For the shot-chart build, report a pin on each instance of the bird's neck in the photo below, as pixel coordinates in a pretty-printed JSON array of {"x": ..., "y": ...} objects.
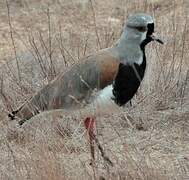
[{"x": 128, "y": 50}]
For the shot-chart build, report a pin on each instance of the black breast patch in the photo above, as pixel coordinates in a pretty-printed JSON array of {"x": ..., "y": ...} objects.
[{"x": 127, "y": 82}]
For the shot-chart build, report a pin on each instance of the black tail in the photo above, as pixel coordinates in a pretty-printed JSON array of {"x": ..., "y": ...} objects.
[{"x": 12, "y": 114}]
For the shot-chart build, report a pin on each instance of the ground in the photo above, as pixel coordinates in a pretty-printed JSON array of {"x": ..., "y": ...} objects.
[{"x": 148, "y": 140}]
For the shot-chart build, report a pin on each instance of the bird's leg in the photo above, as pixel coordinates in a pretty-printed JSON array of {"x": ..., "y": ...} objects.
[
  {"x": 106, "y": 158},
  {"x": 89, "y": 125}
]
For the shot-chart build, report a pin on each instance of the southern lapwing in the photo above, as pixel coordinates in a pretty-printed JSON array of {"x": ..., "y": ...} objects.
[{"x": 115, "y": 73}]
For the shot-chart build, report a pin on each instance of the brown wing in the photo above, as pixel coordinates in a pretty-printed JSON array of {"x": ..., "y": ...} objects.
[
  {"x": 71, "y": 89},
  {"x": 108, "y": 69}
]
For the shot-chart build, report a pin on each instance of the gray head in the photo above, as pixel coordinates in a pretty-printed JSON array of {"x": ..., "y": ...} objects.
[
  {"x": 139, "y": 20},
  {"x": 140, "y": 28},
  {"x": 137, "y": 33}
]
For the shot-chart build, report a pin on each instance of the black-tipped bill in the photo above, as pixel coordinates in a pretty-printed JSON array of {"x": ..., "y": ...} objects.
[{"x": 155, "y": 38}]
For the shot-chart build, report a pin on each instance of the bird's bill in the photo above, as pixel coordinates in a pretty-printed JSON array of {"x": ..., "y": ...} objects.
[{"x": 156, "y": 38}]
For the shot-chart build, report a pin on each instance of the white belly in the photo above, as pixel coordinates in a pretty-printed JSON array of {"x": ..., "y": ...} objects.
[{"x": 103, "y": 103}]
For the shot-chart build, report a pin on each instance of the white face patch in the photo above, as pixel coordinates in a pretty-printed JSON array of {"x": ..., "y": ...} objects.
[
  {"x": 143, "y": 36},
  {"x": 139, "y": 61},
  {"x": 150, "y": 22}
]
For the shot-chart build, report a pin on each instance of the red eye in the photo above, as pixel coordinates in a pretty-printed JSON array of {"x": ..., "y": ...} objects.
[{"x": 141, "y": 28}]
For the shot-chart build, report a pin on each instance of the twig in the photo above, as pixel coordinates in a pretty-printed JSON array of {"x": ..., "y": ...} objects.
[
  {"x": 53, "y": 72},
  {"x": 94, "y": 20},
  {"x": 12, "y": 39}
]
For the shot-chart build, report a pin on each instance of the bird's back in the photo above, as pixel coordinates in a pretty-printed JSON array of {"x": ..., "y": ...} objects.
[{"x": 75, "y": 88}]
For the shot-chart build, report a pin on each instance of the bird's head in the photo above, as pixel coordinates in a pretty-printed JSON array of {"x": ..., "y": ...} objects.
[{"x": 140, "y": 29}]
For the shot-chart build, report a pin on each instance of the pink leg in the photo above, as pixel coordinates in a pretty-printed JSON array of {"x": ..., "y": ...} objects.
[{"x": 89, "y": 125}]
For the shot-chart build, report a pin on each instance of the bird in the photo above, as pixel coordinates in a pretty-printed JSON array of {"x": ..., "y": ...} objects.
[
  {"x": 114, "y": 74},
  {"x": 100, "y": 82}
]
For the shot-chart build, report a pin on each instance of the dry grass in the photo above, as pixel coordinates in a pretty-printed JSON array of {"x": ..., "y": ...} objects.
[{"x": 146, "y": 141}]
